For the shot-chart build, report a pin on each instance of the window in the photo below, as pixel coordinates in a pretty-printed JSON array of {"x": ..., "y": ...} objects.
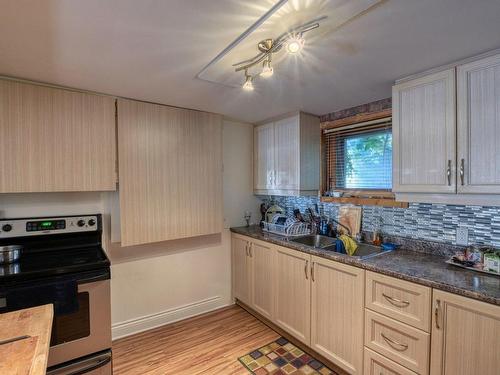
[{"x": 359, "y": 157}]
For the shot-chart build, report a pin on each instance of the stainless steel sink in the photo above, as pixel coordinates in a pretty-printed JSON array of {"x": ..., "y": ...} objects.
[
  {"x": 315, "y": 240},
  {"x": 363, "y": 251}
]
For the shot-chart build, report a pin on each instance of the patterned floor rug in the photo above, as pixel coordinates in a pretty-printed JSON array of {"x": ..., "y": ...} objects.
[{"x": 281, "y": 357}]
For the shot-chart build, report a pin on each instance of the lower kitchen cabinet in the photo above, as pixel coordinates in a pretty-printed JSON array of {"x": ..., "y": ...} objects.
[
  {"x": 337, "y": 302},
  {"x": 376, "y": 364},
  {"x": 241, "y": 272},
  {"x": 262, "y": 273},
  {"x": 293, "y": 293},
  {"x": 465, "y": 336}
]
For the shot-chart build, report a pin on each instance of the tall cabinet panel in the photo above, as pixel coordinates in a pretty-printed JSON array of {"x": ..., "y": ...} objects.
[
  {"x": 170, "y": 172},
  {"x": 55, "y": 140},
  {"x": 241, "y": 269},
  {"x": 337, "y": 313},
  {"x": 264, "y": 157},
  {"x": 478, "y": 86},
  {"x": 286, "y": 153},
  {"x": 424, "y": 134},
  {"x": 293, "y": 293},
  {"x": 262, "y": 258}
]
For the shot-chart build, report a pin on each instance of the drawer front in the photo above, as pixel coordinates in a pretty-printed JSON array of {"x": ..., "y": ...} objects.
[
  {"x": 399, "y": 342},
  {"x": 398, "y": 299},
  {"x": 376, "y": 364}
]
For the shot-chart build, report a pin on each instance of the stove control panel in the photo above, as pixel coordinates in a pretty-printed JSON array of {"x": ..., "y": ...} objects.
[{"x": 47, "y": 225}]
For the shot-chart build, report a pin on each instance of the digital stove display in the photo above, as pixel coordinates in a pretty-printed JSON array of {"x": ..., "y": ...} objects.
[{"x": 33, "y": 226}]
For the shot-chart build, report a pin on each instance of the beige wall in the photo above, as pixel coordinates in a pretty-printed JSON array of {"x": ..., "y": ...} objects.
[{"x": 160, "y": 283}]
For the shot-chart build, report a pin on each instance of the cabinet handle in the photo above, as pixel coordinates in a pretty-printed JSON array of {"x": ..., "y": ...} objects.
[
  {"x": 305, "y": 269},
  {"x": 274, "y": 177},
  {"x": 392, "y": 342},
  {"x": 250, "y": 250},
  {"x": 462, "y": 171},
  {"x": 396, "y": 301},
  {"x": 437, "y": 309},
  {"x": 448, "y": 172},
  {"x": 312, "y": 271},
  {"x": 246, "y": 249}
]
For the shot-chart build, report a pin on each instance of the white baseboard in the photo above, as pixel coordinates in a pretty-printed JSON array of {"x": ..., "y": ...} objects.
[{"x": 144, "y": 323}]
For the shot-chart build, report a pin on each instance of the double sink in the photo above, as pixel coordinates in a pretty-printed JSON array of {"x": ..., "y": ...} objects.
[{"x": 318, "y": 241}]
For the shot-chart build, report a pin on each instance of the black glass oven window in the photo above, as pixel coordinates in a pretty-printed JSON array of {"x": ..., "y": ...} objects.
[{"x": 72, "y": 326}]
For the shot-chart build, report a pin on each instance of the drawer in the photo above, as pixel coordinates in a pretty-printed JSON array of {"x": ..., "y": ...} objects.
[
  {"x": 376, "y": 364},
  {"x": 407, "y": 302},
  {"x": 399, "y": 342}
]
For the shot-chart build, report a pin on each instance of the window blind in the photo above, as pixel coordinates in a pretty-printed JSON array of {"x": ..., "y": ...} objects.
[{"x": 359, "y": 156}]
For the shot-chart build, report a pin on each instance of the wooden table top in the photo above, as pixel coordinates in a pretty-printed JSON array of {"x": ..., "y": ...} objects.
[{"x": 27, "y": 356}]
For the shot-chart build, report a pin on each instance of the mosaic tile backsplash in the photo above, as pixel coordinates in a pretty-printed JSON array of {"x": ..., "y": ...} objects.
[{"x": 424, "y": 221}]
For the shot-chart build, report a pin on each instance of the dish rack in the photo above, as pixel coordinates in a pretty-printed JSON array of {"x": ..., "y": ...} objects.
[{"x": 291, "y": 228}]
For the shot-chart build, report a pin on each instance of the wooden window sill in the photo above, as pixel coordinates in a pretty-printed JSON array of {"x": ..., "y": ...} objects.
[{"x": 367, "y": 201}]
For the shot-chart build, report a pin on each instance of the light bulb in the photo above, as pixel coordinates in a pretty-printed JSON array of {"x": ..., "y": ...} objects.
[
  {"x": 295, "y": 44},
  {"x": 267, "y": 69},
  {"x": 248, "y": 85}
]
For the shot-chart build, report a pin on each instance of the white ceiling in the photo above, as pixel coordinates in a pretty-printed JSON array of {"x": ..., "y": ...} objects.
[{"x": 153, "y": 49}]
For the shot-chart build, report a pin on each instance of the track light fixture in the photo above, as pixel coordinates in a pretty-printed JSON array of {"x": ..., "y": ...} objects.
[
  {"x": 248, "y": 85},
  {"x": 293, "y": 41}
]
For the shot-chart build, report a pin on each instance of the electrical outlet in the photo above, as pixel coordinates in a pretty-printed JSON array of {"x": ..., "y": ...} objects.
[{"x": 462, "y": 236}]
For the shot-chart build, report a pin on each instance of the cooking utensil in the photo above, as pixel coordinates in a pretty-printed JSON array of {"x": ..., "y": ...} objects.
[{"x": 10, "y": 253}]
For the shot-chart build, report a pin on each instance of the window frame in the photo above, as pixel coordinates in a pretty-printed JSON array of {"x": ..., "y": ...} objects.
[{"x": 378, "y": 197}]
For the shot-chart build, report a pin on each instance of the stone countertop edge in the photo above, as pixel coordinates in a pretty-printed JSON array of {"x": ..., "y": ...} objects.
[{"x": 420, "y": 268}]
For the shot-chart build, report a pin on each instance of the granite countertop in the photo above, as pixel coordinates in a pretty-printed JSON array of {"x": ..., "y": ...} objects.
[{"x": 414, "y": 266}]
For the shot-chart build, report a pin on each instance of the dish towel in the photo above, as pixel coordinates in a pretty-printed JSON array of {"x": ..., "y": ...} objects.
[{"x": 349, "y": 244}]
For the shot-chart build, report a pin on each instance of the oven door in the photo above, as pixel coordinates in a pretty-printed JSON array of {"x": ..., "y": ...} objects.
[{"x": 87, "y": 330}]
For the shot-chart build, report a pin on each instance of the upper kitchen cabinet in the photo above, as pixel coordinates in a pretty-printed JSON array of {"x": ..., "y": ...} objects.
[
  {"x": 478, "y": 158},
  {"x": 287, "y": 156},
  {"x": 55, "y": 140},
  {"x": 170, "y": 172},
  {"x": 424, "y": 134}
]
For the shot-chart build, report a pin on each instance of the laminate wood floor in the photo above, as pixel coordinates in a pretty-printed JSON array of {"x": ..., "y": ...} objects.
[{"x": 207, "y": 344}]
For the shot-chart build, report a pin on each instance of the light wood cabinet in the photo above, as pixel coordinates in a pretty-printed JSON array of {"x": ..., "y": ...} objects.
[
  {"x": 337, "y": 313},
  {"x": 465, "y": 336},
  {"x": 376, "y": 364},
  {"x": 241, "y": 269},
  {"x": 293, "y": 293},
  {"x": 55, "y": 140},
  {"x": 170, "y": 172},
  {"x": 478, "y": 85},
  {"x": 424, "y": 134},
  {"x": 262, "y": 285},
  {"x": 405, "y": 301},
  {"x": 287, "y": 156}
]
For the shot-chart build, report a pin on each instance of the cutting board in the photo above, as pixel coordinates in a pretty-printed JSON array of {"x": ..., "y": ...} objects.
[
  {"x": 350, "y": 216},
  {"x": 17, "y": 357}
]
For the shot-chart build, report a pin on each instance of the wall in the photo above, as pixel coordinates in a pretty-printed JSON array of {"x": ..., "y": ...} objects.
[{"x": 163, "y": 282}]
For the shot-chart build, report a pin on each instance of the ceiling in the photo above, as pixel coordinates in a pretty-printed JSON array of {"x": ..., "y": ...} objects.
[{"x": 153, "y": 49}]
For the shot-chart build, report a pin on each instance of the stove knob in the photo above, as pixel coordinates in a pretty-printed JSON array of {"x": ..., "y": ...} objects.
[
  {"x": 91, "y": 222},
  {"x": 80, "y": 223},
  {"x": 7, "y": 227}
]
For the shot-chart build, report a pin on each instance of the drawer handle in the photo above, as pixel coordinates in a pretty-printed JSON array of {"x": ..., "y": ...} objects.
[
  {"x": 396, "y": 301},
  {"x": 392, "y": 342},
  {"x": 305, "y": 269}
]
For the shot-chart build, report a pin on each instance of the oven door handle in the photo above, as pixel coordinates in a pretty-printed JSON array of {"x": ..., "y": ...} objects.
[{"x": 83, "y": 366}]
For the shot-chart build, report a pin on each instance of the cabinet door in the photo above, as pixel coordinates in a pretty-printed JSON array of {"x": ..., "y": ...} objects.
[
  {"x": 241, "y": 269},
  {"x": 465, "y": 336},
  {"x": 287, "y": 154},
  {"x": 262, "y": 258},
  {"x": 293, "y": 292},
  {"x": 479, "y": 126},
  {"x": 55, "y": 140},
  {"x": 337, "y": 313},
  {"x": 264, "y": 157},
  {"x": 170, "y": 172},
  {"x": 424, "y": 134}
]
